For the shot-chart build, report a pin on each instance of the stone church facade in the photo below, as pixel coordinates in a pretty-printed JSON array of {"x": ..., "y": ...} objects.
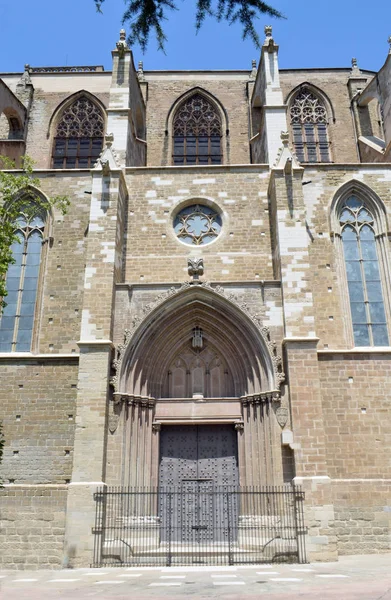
[{"x": 223, "y": 268}]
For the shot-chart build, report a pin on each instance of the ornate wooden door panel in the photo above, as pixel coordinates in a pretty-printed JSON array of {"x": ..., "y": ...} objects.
[{"x": 195, "y": 462}]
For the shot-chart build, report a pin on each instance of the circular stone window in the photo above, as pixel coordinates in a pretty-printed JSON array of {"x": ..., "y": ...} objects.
[{"x": 197, "y": 225}]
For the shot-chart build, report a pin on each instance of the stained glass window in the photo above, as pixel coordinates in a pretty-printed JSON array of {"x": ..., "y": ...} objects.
[
  {"x": 363, "y": 274},
  {"x": 309, "y": 127},
  {"x": 17, "y": 319},
  {"x": 197, "y": 225},
  {"x": 79, "y": 136},
  {"x": 197, "y": 133}
]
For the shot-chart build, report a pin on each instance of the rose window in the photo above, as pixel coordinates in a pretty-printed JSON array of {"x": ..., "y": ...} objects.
[{"x": 197, "y": 225}]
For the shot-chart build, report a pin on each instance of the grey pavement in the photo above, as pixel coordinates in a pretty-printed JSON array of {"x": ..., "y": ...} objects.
[{"x": 352, "y": 578}]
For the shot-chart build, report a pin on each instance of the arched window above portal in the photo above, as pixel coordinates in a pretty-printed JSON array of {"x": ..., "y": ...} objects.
[
  {"x": 309, "y": 119},
  {"x": 197, "y": 132},
  {"x": 78, "y": 138}
]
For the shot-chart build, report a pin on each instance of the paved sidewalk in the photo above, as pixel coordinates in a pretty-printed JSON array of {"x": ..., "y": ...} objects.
[{"x": 352, "y": 578}]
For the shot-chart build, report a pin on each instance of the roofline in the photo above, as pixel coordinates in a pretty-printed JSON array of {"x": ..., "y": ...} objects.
[{"x": 180, "y": 71}]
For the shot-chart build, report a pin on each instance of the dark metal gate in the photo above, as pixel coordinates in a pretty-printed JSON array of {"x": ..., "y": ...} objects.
[{"x": 172, "y": 526}]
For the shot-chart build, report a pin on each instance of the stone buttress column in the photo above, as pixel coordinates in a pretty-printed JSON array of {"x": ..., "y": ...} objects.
[
  {"x": 300, "y": 350},
  {"x": 126, "y": 111},
  {"x": 102, "y": 271},
  {"x": 267, "y": 96}
]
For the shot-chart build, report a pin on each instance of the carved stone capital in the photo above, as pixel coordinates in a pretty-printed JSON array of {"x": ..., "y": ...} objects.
[
  {"x": 156, "y": 427},
  {"x": 239, "y": 426}
]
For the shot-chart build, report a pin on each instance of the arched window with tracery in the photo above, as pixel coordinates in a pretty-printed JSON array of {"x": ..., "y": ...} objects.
[
  {"x": 309, "y": 127},
  {"x": 79, "y": 135},
  {"x": 363, "y": 273},
  {"x": 17, "y": 319},
  {"x": 197, "y": 132}
]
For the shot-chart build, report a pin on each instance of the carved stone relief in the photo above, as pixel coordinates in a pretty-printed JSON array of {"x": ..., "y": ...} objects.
[{"x": 282, "y": 416}]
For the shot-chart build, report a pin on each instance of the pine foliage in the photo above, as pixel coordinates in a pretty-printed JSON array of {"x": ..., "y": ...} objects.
[{"x": 145, "y": 16}]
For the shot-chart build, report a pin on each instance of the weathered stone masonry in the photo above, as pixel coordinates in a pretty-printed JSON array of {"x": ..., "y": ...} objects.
[{"x": 111, "y": 361}]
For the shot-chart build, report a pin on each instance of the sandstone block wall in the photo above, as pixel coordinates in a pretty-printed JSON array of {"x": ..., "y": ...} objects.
[
  {"x": 63, "y": 264},
  {"x": 38, "y": 413},
  {"x": 241, "y": 252},
  {"x": 32, "y": 525},
  {"x": 362, "y": 516}
]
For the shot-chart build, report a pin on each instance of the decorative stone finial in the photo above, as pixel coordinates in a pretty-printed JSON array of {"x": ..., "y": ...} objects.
[
  {"x": 269, "y": 41},
  {"x": 140, "y": 71},
  {"x": 389, "y": 41},
  {"x": 122, "y": 46},
  {"x": 254, "y": 64},
  {"x": 25, "y": 79},
  {"x": 355, "y": 72},
  {"x": 195, "y": 267},
  {"x": 109, "y": 139},
  {"x": 285, "y": 138},
  {"x": 268, "y": 31},
  {"x": 253, "y": 73}
]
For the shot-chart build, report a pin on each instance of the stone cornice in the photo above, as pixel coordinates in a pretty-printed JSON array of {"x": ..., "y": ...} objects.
[
  {"x": 29, "y": 356},
  {"x": 95, "y": 343},
  {"x": 361, "y": 350},
  {"x": 300, "y": 340}
]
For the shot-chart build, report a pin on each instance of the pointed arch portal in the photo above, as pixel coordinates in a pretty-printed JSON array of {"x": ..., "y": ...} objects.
[
  {"x": 163, "y": 341},
  {"x": 198, "y": 363}
]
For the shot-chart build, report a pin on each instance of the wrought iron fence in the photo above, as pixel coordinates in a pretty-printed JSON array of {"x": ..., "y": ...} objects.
[{"x": 198, "y": 523}]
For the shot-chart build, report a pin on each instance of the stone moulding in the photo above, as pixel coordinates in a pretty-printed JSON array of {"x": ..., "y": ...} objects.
[
  {"x": 261, "y": 398},
  {"x": 279, "y": 376},
  {"x": 132, "y": 400}
]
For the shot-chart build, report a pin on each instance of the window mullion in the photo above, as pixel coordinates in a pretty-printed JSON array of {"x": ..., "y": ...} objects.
[
  {"x": 364, "y": 285},
  {"x": 20, "y": 291}
]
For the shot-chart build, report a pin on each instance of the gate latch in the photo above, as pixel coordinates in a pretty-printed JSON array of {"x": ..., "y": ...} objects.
[{"x": 199, "y": 527}]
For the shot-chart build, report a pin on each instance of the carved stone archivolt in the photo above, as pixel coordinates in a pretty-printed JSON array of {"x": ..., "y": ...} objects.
[{"x": 264, "y": 331}]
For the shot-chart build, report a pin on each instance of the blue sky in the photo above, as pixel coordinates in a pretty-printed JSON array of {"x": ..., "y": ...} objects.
[{"x": 315, "y": 34}]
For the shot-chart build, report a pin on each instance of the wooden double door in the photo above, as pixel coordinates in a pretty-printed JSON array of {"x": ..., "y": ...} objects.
[{"x": 198, "y": 476}]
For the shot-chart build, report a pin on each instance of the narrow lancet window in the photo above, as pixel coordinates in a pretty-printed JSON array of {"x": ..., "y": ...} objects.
[
  {"x": 363, "y": 274},
  {"x": 309, "y": 127},
  {"x": 197, "y": 133},
  {"x": 79, "y": 136},
  {"x": 17, "y": 319}
]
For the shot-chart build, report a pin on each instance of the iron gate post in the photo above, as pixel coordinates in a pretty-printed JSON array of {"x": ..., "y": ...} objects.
[
  {"x": 169, "y": 556},
  {"x": 298, "y": 495}
]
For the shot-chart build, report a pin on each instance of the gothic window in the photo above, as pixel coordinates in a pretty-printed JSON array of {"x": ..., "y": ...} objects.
[
  {"x": 197, "y": 133},
  {"x": 79, "y": 136},
  {"x": 309, "y": 127},
  {"x": 17, "y": 319},
  {"x": 197, "y": 225},
  {"x": 363, "y": 274}
]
